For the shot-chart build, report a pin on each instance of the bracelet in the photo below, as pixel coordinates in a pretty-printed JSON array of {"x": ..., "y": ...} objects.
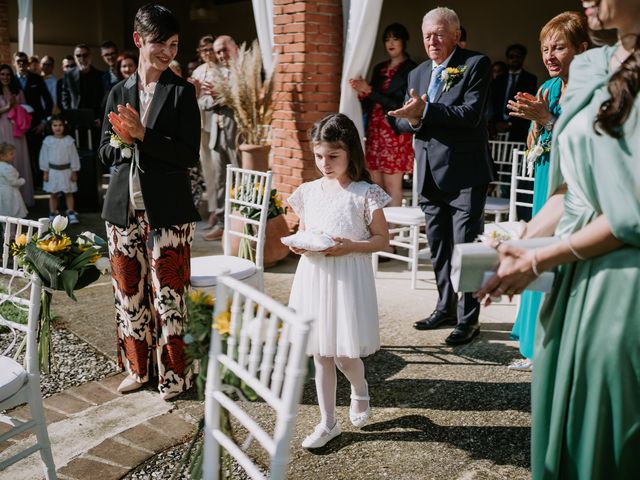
[
  {"x": 534, "y": 263},
  {"x": 573, "y": 250}
]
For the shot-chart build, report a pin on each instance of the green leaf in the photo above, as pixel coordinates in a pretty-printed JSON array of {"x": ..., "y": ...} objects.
[
  {"x": 69, "y": 280},
  {"x": 87, "y": 276},
  {"x": 82, "y": 259},
  {"x": 46, "y": 265}
]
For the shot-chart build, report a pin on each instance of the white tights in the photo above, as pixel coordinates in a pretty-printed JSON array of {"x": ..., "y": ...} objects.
[{"x": 326, "y": 381}]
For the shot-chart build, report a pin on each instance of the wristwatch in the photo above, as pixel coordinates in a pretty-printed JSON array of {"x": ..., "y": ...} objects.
[{"x": 549, "y": 125}]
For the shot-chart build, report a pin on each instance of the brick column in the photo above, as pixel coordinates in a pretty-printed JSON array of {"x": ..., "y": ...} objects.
[
  {"x": 5, "y": 47},
  {"x": 308, "y": 39}
]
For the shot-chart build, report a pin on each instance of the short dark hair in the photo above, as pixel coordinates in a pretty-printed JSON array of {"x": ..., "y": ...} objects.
[
  {"x": 108, "y": 44},
  {"x": 155, "y": 23},
  {"x": 338, "y": 130},
  {"x": 21, "y": 55},
  {"x": 516, "y": 46},
  {"x": 398, "y": 31},
  {"x": 84, "y": 46},
  {"x": 69, "y": 57}
]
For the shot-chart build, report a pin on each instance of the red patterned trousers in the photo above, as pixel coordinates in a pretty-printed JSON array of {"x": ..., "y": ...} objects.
[{"x": 150, "y": 272}]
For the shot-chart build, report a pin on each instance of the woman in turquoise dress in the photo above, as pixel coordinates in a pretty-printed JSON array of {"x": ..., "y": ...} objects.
[
  {"x": 561, "y": 39},
  {"x": 586, "y": 383}
]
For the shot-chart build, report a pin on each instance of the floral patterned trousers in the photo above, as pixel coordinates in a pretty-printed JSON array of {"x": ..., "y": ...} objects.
[{"x": 150, "y": 275}]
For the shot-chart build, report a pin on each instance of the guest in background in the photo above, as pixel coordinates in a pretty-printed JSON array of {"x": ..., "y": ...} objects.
[
  {"x": 389, "y": 153},
  {"x": 38, "y": 98},
  {"x": 498, "y": 68},
  {"x": 34, "y": 65},
  {"x": 191, "y": 66},
  {"x": 10, "y": 97},
  {"x": 561, "y": 39},
  {"x": 109, "y": 53},
  {"x": 504, "y": 88},
  {"x": 83, "y": 85},
  {"x": 463, "y": 38},
  {"x": 176, "y": 67},
  {"x": 11, "y": 202},
  {"x": 68, "y": 63},
  {"x": 46, "y": 66},
  {"x": 126, "y": 65}
]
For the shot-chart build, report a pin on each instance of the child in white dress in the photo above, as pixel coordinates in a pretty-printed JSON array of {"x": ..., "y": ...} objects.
[
  {"x": 336, "y": 286},
  {"x": 60, "y": 163},
  {"x": 11, "y": 202}
]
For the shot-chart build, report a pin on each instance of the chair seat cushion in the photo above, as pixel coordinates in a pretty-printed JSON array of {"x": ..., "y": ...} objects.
[
  {"x": 406, "y": 215},
  {"x": 496, "y": 204},
  {"x": 206, "y": 270},
  {"x": 12, "y": 377}
]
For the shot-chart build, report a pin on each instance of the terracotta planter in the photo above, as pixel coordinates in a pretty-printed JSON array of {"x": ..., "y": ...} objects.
[
  {"x": 274, "y": 249},
  {"x": 255, "y": 157}
]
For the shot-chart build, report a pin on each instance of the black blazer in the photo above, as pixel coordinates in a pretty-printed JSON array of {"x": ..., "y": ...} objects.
[
  {"x": 393, "y": 98},
  {"x": 527, "y": 82},
  {"x": 75, "y": 84},
  {"x": 35, "y": 93},
  {"x": 453, "y": 141},
  {"x": 170, "y": 147}
]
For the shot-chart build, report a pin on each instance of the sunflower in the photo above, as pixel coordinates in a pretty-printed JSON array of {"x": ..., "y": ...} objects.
[
  {"x": 55, "y": 244},
  {"x": 199, "y": 296},
  {"x": 222, "y": 323}
]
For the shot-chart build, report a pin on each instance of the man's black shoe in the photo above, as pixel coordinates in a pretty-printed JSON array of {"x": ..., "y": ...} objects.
[
  {"x": 435, "y": 320},
  {"x": 462, "y": 334}
]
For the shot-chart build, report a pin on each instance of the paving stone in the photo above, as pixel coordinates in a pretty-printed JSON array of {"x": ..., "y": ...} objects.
[
  {"x": 174, "y": 426},
  {"x": 147, "y": 438},
  {"x": 24, "y": 413},
  {"x": 85, "y": 469},
  {"x": 119, "y": 453},
  {"x": 112, "y": 382},
  {"x": 66, "y": 403},
  {"x": 93, "y": 392}
]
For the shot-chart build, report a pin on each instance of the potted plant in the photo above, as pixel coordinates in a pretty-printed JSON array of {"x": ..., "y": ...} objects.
[{"x": 249, "y": 93}]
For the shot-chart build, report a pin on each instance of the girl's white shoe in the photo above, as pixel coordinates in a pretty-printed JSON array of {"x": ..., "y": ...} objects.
[
  {"x": 321, "y": 436},
  {"x": 359, "y": 419}
]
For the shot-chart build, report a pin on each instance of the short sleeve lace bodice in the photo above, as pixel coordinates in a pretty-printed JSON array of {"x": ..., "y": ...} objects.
[{"x": 346, "y": 213}]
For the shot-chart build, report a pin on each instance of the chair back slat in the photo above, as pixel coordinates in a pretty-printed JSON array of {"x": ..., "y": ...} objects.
[
  {"x": 501, "y": 152},
  {"x": 266, "y": 349},
  {"x": 246, "y": 189},
  {"x": 522, "y": 183}
]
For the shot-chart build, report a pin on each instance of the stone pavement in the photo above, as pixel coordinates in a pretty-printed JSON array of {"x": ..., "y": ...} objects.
[{"x": 439, "y": 412}]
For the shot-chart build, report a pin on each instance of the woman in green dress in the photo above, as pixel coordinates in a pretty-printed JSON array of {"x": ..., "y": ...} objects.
[
  {"x": 586, "y": 384},
  {"x": 561, "y": 39}
]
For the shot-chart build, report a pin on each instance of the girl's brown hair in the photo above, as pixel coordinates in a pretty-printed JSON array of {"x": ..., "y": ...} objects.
[{"x": 338, "y": 129}]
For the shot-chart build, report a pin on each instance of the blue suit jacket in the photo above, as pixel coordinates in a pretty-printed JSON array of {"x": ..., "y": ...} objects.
[{"x": 453, "y": 139}]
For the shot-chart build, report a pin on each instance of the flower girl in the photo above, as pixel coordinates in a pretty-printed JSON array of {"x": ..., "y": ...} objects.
[
  {"x": 11, "y": 202},
  {"x": 60, "y": 163},
  {"x": 336, "y": 285}
]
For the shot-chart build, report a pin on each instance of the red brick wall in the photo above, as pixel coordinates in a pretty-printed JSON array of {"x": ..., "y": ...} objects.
[
  {"x": 308, "y": 39},
  {"x": 5, "y": 50}
]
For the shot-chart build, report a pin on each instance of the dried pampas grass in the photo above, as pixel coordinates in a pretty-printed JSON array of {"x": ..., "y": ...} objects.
[{"x": 245, "y": 91}]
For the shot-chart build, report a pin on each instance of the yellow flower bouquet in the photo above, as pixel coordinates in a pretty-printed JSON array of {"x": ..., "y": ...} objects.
[{"x": 62, "y": 263}]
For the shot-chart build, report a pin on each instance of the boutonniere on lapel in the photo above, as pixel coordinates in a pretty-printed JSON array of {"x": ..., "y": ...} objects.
[
  {"x": 126, "y": 149},
  {"x": 452, "y": 75}
]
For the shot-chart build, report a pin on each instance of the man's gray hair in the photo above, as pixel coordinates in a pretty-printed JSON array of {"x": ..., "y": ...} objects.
[{"x": 443, "y": 13}]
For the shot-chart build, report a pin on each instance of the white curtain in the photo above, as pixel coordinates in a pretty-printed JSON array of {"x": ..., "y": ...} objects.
[
  {"x": 361, "y": 20},
  {"x": 25, "y": 26},
  {"x": 263, "y": 15}
]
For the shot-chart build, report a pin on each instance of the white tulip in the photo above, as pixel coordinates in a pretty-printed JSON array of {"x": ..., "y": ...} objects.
[
  {"x": 444, "y": 76},
  {"x": 103, "y": 265},
  {"x": 88, "y": 235},
  {"x": 59, "y": 223},
  {"x": 126, "y": 152},
  {"x": 114, "y": 142}
]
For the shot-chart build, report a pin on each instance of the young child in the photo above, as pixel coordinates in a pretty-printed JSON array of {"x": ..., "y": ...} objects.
[
  {"x": 336, "y": 286},
  {"x": 11, "y": 202},
  {"x": 60, "y": 163}
]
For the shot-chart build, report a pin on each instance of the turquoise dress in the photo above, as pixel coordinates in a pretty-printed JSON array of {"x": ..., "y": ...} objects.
[
  {"x": 585, "y": 395},
  {"x": 524, "y": 328}
]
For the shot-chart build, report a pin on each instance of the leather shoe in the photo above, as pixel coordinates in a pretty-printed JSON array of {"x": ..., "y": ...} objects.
[
  {"x": 462, "y": 334},
  {"x": 435, "y": 320}
]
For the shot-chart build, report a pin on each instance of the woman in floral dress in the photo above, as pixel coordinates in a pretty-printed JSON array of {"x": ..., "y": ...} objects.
[{"x": 389, "y": 153}]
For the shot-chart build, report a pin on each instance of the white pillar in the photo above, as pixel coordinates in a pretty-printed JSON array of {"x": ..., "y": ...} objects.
[{"x": 25, "y": 26}]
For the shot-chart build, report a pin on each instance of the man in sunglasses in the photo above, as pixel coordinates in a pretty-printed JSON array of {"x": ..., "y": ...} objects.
[{"x": 82, "y": 86}]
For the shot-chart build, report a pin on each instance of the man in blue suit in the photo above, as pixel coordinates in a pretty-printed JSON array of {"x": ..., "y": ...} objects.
[{"x": 445, "y": 110}]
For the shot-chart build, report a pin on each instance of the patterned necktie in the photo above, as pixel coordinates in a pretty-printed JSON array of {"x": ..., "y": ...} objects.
[{"x": 436, "y": 80}]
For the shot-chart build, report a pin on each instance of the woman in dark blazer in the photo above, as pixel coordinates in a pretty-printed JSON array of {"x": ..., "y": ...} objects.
[
  {"x": 148, "y": 207},
  {"x": 389, "y": 153}
]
